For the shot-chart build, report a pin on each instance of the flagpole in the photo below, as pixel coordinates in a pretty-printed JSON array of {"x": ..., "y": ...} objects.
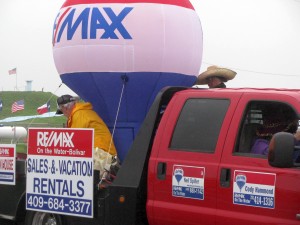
[{"x": 16, "y": 80}]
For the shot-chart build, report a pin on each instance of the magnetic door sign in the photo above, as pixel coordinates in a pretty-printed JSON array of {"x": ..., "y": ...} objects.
[
  {"x": 254, "y": 189},
  {"x": 8, "y": 164},
  {"x": 188, "y": 182},
  {"x": 60, "y": 171}
]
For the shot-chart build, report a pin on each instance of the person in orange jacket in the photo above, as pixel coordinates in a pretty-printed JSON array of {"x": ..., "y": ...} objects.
[{"x": 82, "y": 115}]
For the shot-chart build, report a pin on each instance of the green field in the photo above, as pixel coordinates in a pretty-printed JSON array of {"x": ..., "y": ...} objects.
[{"x": 32, "y": 100}]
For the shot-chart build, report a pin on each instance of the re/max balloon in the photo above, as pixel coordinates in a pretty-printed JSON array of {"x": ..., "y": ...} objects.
[{"x": 103, "y": 48}]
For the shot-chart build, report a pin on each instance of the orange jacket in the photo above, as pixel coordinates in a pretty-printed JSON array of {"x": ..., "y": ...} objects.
[{"x": 83, "y": 116}]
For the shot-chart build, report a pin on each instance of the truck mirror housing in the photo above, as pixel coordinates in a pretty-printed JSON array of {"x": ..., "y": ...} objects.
[{"x": 281, "y": 150}]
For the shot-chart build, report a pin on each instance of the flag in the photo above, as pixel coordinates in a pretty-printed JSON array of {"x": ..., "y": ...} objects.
[
  {"x": 16, "y": 106},
  {"x": 0, "y": 105},
  {"x": 12, "y": 71},
  {"x": 44, "y": 108}
]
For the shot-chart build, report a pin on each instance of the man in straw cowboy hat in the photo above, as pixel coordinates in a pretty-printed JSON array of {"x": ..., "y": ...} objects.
[{"x": 215, "y": 77}]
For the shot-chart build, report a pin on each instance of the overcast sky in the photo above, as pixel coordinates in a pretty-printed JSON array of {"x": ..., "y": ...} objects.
[{"x": 259, "y": 39}]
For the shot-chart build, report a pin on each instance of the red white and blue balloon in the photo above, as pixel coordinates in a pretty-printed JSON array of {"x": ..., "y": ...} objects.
[{"x": 100, "y": 45}]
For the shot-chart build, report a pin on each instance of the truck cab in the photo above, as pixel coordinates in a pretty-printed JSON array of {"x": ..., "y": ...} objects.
[{"x": 201, "y": 169}]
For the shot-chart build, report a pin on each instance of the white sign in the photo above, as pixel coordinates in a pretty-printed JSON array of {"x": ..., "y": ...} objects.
[
  {"x": 254, "y": 189},
  {"x": 60, "y": 171},
  {"x": 188, "y": 182},
  {"x": 8, "y": 164}
]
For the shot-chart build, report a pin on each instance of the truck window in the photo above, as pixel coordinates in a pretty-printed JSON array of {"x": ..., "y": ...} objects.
[
  {"x": 261, "y": 120},
  {"x": 199, "y": 125}
]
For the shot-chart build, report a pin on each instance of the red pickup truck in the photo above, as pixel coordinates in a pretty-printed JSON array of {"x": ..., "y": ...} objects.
[{"x": 191, "y": 163}]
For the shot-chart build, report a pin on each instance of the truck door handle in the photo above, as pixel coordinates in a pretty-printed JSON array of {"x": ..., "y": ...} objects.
[
  {"x": 225, "y": 177},
  {"x": 298, "y": 216},
  {"x": 161, "y": 170}
]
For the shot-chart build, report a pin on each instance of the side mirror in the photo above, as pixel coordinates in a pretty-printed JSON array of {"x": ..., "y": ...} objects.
[{"x": 281, "y": 150}]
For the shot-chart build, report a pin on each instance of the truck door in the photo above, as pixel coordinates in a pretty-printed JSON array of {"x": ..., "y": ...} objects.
[
  {"x": 257, "y": 193},
  {"x": 185, "y": 157}
]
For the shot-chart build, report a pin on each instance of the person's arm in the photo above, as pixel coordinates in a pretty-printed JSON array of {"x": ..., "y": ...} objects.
[
  {"x": 297, "y": 143},
  {"x": 260, "y": 146}
]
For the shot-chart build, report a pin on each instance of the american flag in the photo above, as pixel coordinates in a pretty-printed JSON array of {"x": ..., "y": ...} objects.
[
  {"x": 16, "y": 106},
  {"x": 12, "y": 71}
]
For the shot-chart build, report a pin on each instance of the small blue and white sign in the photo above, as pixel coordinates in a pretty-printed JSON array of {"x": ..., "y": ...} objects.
[
  {"x": 254, "y": 189},
  {"x": 8, "y": 164},
  {"x": 188, "y": 182}
]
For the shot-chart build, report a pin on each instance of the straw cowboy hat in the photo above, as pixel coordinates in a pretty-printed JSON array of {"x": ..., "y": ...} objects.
[{"x": 215, "y": 71}]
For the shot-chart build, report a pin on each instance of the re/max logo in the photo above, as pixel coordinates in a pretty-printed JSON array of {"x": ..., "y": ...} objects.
[
  {"x": 47, "y": 139},
  {"x": 90, "y": 24}
]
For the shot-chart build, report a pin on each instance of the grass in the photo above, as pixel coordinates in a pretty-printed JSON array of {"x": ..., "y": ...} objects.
[{"x": 32, "y": 100}]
